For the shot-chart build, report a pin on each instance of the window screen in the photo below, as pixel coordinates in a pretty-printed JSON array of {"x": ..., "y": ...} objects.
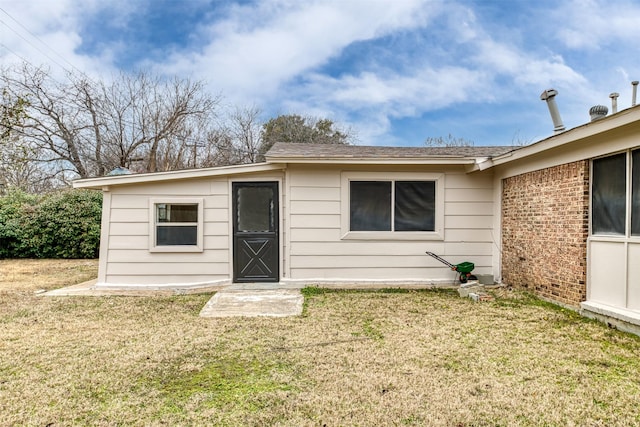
[
  {"x": 415, "y": 203},
  {"x": 608, "y": 201},
  {"x": 635, "y": 193},
  {"x": 255, "y": 209},
  {"x": 177, "y": 235},
  {"x": 176, "y": 224},
  {"x": 370, "y": 205}
]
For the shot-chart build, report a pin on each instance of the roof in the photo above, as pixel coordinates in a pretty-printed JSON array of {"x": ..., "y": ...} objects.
[
  {"x": 104, "y": 182},
  {"x": 287, "y": 151}
]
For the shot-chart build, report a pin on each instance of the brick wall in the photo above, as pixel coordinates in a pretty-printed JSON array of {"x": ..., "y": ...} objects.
[{"x": 545, "y": 224}]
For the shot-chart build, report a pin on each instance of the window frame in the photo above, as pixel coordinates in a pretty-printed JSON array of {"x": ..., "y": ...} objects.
[
  {"x": 347, "y": 234},
  {"x": 153, "y": 224},
  {"x": 628, "y": 232}
]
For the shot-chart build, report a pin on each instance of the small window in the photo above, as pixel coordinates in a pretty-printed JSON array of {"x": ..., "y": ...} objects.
[{"x": 176, "y": 225}]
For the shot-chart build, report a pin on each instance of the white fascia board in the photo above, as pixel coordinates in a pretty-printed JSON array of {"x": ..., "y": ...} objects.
[
  {"x": 108, "y": 181},
  {"x": 376, "y": 161}
]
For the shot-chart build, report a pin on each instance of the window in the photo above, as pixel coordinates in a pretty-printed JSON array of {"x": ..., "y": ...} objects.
[
  {"x": 176, "y": 225},
  {"x": 406, "y": 207},
  {"x": 415, "y": 205},
  {"x": 611, "y": 197},
  {"x": 635, "y": 193},
  {"x": 370, "y": 206}
]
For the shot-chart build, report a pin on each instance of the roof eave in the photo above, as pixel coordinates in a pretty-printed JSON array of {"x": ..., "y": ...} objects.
[{"x": 145, "y": 178}]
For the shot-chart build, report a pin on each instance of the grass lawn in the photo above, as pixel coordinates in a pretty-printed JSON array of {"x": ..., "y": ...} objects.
[{"x": 354, "y": 358}]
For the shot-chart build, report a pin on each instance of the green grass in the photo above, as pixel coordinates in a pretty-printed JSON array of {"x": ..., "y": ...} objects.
[{"x": 386, "y": 357}]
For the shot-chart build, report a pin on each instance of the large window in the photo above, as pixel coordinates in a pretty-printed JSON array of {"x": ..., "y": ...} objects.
[
  {"x": 614, "y": 203},
  {"x": 176, "y": 225},
  {"x": 403, "y": 206},
  {"x": 392, "y": 206}
]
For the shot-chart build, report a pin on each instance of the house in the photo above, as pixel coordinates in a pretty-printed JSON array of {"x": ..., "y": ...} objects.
[{"x": 560, "y": 217}]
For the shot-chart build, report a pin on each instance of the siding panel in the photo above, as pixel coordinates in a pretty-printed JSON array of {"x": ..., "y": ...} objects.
[
  {"x": 129, "y": 242},
  {"x": 152, "y": 279},
  {"x": 468, "y": 208},
  {"x": 351, "y": 248},
  {"x": 130, "y": 229},
  {"x": 315, "y": 221},
  {"x": 455, "y": 180},
  {"x": 144, "y": 256},
  {"x": 130, "y": 215},
  {"x": 468, "y": 222},
  {"x": 315, "y": 207},
  {"x": 467, "y": 195},
  {"x": 166, "y": 268},
  {"x": 184, "y": 188},
  {"x": 315, "y": 193},
  {"x": 314, "y": 235}
]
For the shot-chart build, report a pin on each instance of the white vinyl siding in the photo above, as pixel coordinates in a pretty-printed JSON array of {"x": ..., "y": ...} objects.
[
  {"x": 131, "y": 227},
  {"x": 318, "y": 249}
]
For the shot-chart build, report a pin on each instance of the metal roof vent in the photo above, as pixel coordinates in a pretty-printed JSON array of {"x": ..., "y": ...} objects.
[
  {"x": 549, "y": 95},
  {"x": 598, "y": 112},
  {"x": 119, "y": 171},
  {"x": 614, "y": 102}
]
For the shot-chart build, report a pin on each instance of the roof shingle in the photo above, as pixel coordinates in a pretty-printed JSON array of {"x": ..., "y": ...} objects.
[{"x": 282, "y": 150}]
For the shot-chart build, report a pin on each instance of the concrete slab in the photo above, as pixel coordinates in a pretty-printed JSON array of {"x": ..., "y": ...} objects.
[
  {"x": 90, "y": 288},
  {"x": 254, "y": 303}
]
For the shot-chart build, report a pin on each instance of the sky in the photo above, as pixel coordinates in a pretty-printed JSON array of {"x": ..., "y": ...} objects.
[{"x": 393, "y": 72}]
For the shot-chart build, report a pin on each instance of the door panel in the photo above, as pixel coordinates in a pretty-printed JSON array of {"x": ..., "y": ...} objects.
[{"x": 255, "y": 232}]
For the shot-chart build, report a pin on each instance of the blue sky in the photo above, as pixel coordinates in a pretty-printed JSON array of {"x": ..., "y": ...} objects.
[{"x": 393, "y": 71}]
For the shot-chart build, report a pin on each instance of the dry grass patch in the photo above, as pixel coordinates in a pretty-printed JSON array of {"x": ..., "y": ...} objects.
[
  {"x": 47, "y": 274},
  {"x": 354, "y": 358}
]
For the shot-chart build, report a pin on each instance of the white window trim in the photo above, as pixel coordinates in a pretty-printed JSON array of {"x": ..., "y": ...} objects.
[
  {"x": 605, "y": 237},
  {"x": 176, "y": 248},
  {"x": 347, "y": 234}
]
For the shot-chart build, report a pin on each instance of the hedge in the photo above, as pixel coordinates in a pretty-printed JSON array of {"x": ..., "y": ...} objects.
[{"x": 64, "y": 224}]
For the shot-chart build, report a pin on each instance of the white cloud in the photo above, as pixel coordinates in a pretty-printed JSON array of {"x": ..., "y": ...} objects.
[
  {"x": 49, "y": 33},
  {"x": 257, "y": 48},
  {"x": 398, "y": 94},
  {"x": 593, "y": 24}
]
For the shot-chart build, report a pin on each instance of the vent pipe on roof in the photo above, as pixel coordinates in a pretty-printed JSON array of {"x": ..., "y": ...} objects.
[
  {"x": 598, "y": 112},
  {"x": 549, "y": 95},
  {"x": 634, "y": 93},
  {"x": 614, "y": 102}
]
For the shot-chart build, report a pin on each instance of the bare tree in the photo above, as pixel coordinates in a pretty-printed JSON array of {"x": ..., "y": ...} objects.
[
  {"x": 86, "y": 128},
  {"x": 245, "y": 127},
  {"x": 448, "y": 141}
]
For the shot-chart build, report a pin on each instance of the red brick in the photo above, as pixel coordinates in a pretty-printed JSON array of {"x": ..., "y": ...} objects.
[{"x": 545, "y": 223}]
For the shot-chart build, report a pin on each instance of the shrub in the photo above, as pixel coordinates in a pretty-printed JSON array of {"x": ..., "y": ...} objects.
[
  {"x": 64, "y": 224},
  {"x": 15, "y": 208}
]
